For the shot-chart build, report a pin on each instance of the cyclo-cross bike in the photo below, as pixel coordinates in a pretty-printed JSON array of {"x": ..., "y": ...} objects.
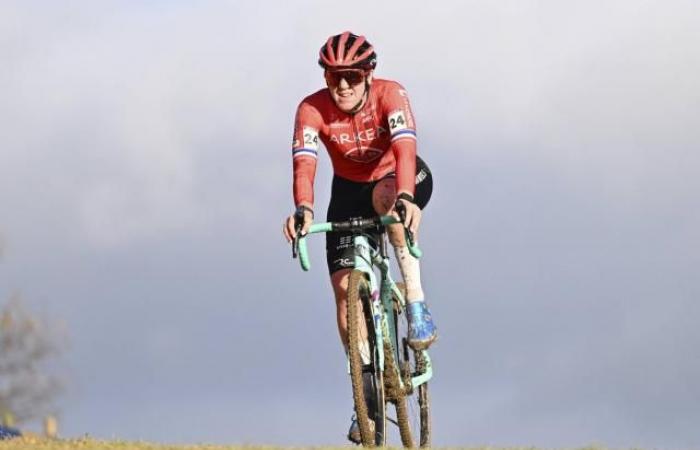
[{"x": 383, "y": 368}]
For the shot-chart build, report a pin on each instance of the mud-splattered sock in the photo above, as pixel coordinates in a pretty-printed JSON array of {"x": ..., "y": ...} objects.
[{"x": 410, "y": 271}]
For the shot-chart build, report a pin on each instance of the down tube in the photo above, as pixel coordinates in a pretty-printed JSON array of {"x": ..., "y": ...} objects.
[
  {"x": 388, "y": 305},
  {"x": 362, "y": 258}
]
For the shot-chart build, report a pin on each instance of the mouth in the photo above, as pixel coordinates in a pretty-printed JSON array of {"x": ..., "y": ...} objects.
[{"x": 345, "y": 95}]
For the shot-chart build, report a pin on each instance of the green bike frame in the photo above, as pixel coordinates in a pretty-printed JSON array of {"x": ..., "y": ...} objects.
[{"x": 382, "y": 291}]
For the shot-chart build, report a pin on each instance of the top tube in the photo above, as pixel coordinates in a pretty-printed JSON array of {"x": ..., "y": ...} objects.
[{"x": 355, "y": 226}]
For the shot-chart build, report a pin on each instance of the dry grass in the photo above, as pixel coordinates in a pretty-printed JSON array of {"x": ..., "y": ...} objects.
[{"x": 40, "y": 443}]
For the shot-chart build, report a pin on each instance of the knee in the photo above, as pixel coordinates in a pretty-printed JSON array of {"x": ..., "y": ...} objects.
[
  {"x": 339, "y": 280},
  {"x": 384, "y": 195}
]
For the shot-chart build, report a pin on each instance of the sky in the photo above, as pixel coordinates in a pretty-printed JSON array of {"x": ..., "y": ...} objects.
[{"x": 145, "y": 171}]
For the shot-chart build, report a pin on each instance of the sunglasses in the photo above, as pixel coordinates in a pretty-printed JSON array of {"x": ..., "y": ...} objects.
[{"x": 352, "y": 77}]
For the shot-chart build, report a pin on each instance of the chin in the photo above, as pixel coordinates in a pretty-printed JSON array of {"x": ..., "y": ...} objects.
[{"x": 345, "y": 106}]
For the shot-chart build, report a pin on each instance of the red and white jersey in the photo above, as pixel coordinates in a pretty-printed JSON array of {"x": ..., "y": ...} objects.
[{"x": 365, "y": 146}]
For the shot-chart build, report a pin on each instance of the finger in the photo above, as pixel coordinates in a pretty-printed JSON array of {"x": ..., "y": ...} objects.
[
  {"x": 290, "y": 228},
  {"x": 414, "y": 227},
  {"x": 308, "y": 221},
  {"x": 410, "y": 220},
  {"x": 415, "y": 220}
]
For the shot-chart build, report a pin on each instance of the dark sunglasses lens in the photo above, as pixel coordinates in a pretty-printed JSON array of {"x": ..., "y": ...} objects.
[{"x": 352, "y": 77}]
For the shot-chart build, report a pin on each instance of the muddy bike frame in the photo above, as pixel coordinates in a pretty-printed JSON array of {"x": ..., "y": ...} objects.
[{"x": 382, "y": 290}]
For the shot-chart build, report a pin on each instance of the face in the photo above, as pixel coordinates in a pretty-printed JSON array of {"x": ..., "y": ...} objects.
[{"x": 347, "y": 87}]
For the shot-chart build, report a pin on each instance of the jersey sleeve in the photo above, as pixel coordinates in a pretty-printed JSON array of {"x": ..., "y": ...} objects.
[
  {"x": 402, "y": 128},
  {"x": 305, "y": 145}
]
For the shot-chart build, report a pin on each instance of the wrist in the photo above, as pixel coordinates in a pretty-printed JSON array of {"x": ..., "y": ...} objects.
[
  {"x": 405, "y": 196},
  {"x": 301, "y": 209}
]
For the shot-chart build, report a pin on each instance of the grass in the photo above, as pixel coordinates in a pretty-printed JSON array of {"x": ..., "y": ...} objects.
[{"x": 40, "y": 443}]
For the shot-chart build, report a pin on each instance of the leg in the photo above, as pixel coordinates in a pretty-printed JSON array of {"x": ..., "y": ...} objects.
[
  {"x": 422, "y": 331},
  {"x": 339, "y": 280},
  {"x": 383, "y": 199}
]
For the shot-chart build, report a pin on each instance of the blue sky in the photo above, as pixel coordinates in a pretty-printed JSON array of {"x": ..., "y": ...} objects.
[{"x": 145, "y": 172}]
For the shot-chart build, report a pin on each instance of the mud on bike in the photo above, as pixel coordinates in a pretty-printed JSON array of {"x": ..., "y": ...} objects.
[{"x": 383, "y": 368}]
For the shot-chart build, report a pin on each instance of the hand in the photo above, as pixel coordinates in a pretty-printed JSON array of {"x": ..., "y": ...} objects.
[
  {"x": 289, "y": 228},
  {"x": 413, "y": 215}
]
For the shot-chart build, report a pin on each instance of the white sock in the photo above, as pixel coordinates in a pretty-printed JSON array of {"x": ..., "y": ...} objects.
[{"x": 410, "y": 271}]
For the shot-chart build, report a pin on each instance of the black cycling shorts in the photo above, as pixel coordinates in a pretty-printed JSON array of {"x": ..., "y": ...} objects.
[{"x": 350, "y": 199}]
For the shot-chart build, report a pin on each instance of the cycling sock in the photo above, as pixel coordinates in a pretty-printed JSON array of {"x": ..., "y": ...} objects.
[{"x": 410, "y": 271}]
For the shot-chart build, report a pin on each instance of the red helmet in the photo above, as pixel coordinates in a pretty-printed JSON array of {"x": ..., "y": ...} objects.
[{"x": 347, "y": 51}]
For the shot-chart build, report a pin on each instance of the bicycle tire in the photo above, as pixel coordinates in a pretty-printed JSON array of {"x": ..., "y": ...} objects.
[
  {"x": 413, "y": 411},
  {"x": 358, "y": 308}
]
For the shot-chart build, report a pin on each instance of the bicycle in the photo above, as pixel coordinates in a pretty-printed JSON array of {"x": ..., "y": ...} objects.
[{"x": 385, "y": 366}]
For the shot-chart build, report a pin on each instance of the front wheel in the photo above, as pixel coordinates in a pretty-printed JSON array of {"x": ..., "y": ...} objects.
[{"x": 365, "y": 374}]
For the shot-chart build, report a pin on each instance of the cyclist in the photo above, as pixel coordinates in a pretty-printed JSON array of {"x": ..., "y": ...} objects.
[{"x": 367, "y": 127}]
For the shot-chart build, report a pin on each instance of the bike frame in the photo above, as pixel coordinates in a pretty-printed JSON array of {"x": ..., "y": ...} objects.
[{"x": 382, "y": 290}]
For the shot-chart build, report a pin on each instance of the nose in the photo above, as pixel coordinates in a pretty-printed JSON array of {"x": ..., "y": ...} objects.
[{"x": 343, "y": 84}]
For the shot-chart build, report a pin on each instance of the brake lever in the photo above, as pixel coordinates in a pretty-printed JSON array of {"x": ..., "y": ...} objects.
[
  {"x": 298, "y": 224},
  {"x": 401, "y": 209}
]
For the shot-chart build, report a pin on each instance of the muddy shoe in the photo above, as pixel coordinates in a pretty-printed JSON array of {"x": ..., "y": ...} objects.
[
  {"x": 421, "y": 330},
  {"x": 354, "y": 431}
]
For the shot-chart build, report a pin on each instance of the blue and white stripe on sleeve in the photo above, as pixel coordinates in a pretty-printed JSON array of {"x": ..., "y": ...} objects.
[
  {"x": 403, "y": 134},
  {"x": 304, "y": 152}
]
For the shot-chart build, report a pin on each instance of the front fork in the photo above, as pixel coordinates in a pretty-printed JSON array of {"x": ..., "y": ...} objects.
[{"x": 382, "y": 306}]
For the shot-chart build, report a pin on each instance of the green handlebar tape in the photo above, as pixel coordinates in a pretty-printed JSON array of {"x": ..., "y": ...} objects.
[
  {"x": 303, "y": 254},
  {"x": 413, "y": 249},
  {"x": 389, "y": 220},
  {"x": 320, "y": 228}
]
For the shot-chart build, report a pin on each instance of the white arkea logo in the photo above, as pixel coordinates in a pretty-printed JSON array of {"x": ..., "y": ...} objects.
[{"x": 367, "y": 135}]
